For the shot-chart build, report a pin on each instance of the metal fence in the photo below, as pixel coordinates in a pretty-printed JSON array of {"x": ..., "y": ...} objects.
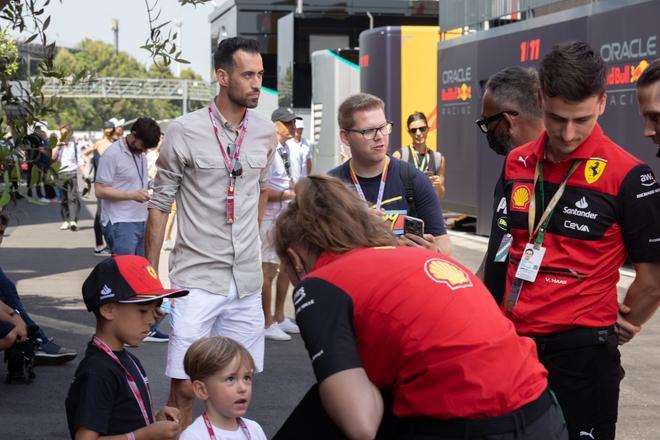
[
  {"x": 132, "y": 88},
  {"x": 473, "y": 13}
]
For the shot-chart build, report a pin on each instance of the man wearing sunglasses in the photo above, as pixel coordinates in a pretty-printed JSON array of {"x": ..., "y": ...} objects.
[
  {"x": 387, "y": 184},
  {"x": 510, "y": 117}
]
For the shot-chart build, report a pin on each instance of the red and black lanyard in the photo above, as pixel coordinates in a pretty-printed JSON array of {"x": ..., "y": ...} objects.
[{"x": 233, "y": 166}]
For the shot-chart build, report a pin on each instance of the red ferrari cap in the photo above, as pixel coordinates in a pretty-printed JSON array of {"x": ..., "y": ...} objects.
[{"x": 124, "y": 279}]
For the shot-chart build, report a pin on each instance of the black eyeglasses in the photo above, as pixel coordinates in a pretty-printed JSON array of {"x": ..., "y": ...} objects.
[
  {"x": 483, "y": 122},
  {"x": 420, "y": 129},
  {"x": 370, "y": 133}
]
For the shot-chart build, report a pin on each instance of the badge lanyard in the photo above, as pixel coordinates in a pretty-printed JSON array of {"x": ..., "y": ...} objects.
[
  {"x": 419, "y": 165},
  {"x": 138, "y": 168},
  {"x": 541, "y": 228},
  {"x": 129, "y": 378},
  {"x": 233, "y": 166},
  {"x": 241, "y": 424},
  {"x": 381, "y": 188},
  {"x": 285, "y": 155}
]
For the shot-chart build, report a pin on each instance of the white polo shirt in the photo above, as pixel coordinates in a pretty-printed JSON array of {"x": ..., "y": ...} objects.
[
  {"x": 278, "y": 179},
  {"x": 299, "y": 154},
  {"x": 123, "y": 171}
]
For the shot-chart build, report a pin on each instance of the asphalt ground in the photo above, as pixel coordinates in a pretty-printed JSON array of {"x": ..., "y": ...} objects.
[{"x": 50, "y": 265}]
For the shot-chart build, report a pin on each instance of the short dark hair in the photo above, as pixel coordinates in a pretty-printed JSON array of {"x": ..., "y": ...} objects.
[
  {"x": 650, "y": 75},
  {"x": 573, "y": 71},
  {"x": 147, "y": 130},
  {"x": 416, "y": 116},
  {"x": 223, "y": 57},
  {"x": 516, "y": 87}
]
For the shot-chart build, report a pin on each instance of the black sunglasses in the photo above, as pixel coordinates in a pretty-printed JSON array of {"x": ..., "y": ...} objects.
[
  {"x": 483, "y": 122},
  {"x": 421, "y": 130}
]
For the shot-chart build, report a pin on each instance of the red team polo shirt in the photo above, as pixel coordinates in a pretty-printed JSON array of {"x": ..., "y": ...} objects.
[
  {"x": 422, "y": 327},
  {"x": 610, "y": 209}
]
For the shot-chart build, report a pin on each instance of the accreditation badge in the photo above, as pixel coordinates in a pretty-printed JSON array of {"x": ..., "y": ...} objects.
[{"x": 530, "y": 263}]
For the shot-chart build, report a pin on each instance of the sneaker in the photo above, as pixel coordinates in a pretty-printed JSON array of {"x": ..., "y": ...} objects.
[
  {"x": 276, "y": 334},
  {"x": 156, "y": 336},
  {"x": 43, "y": 200},
  {"x": 66, "y": 225},
  {"x": 288, "y": 326},
  {"x": 73, "y": 226},
  {"x": 50, "y": 353},
  {"x": 105, "y": 252}
]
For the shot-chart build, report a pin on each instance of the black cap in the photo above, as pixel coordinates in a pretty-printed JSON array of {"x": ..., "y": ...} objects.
[
  {"x": 124, "y": 279},
  {"x": 283, "y": 114},
  {"x": 108, "y": 125}
]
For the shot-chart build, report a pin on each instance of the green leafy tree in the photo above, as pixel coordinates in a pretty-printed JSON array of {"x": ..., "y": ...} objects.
[
  {"x": 23, "y": 104},
  {"x": 99, "y": 57}
]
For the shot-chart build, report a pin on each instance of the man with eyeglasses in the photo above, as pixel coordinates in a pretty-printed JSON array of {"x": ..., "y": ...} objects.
[
  {"x": 280, "y": 191},
  {"x": 510, "y": 117},
  {"x": 387, "y": 184}
]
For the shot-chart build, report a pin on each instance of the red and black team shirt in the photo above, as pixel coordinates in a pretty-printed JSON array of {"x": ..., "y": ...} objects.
[
  {"x": 428, "y": 332},
  {"x": 610, "y": 209}
]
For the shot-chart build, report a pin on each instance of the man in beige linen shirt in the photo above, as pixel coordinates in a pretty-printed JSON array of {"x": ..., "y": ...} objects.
[{"x": 217, "y": 261}]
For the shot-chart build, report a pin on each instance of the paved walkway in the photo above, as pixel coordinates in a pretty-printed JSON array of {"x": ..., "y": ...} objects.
[{"x": 49, "y": 266}]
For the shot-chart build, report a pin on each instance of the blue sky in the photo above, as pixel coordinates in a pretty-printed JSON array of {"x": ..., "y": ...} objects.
[{"x": 74, "y": 20}]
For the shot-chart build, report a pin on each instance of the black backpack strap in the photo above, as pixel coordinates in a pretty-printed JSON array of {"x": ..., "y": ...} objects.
[{"x": 406, "y": 172}]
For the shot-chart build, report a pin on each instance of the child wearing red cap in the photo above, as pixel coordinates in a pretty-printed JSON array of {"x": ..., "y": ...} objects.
[{"x": 110, "y": 393}]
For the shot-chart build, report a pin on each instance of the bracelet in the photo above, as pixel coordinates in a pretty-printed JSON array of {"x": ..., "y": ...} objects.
[{"x": 130, "y": 436}]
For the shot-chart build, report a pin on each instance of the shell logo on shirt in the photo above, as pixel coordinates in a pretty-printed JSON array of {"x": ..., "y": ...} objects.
[
  {"x": 444, "y": 272},
  {"x": 520, "y": 196},
  {"x": 593, "y": 169}
]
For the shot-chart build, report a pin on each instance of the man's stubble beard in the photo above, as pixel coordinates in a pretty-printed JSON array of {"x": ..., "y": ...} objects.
[
  {"x": 240, "y": 101},
  {"x": 500, "y": 144}
]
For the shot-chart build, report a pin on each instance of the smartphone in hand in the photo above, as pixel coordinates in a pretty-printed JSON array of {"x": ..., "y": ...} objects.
[{"x": 413, "y": 225}]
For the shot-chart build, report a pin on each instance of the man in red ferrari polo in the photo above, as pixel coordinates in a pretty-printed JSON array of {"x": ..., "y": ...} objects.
[{"x": 581, "y": 204}]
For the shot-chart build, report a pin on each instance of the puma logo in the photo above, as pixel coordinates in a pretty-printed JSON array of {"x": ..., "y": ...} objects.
[
  {"x": 523, "y": 160},
  {"x": 589, "y": 434}
]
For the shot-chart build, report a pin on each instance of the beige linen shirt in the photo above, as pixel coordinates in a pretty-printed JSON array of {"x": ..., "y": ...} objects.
[{"x": 208, "y": 251}]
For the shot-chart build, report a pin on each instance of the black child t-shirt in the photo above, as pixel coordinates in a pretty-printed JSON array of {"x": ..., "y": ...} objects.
[{"x": 100, "y": 398}]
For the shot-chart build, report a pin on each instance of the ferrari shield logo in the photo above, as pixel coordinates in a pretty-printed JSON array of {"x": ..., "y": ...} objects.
[
  {"x": 593, "y": 169},
  {"x": 152, "y": 272},
  {"x": 444, "y": 272}
]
